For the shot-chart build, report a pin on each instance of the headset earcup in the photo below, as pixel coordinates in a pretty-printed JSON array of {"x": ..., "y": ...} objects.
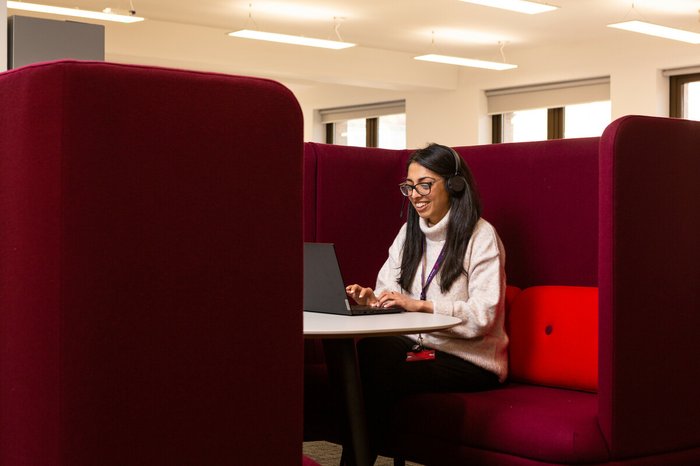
[{"x": 456, "y": 184}]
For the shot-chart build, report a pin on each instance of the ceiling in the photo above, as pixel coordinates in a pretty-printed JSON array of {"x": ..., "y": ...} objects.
[{"x": 413, "y": 26}]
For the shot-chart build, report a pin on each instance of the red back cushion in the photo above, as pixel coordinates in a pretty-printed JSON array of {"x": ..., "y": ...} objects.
[
  {"x": 554, "y": 337},
  {"x": 512, "y": 292}
]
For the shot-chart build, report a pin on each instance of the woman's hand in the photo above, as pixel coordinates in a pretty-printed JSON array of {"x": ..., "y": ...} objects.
[
  {"x": 394, "y": 299},
  {"x": 361, "y": 295}
]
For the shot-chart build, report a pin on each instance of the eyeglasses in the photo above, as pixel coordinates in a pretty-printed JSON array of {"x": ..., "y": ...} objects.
[{"x": 422, "y": 188}]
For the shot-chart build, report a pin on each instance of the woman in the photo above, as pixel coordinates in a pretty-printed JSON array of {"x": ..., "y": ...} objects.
[{"x": 446, "y": 259}]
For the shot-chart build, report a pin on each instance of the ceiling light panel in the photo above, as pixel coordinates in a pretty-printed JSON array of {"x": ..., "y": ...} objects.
[
  {"x": 465, "y": 36},
  {"x": 73, "y": 12},
  {"x": 520, "y": 6},
  {"x": 293, "y": 40},
  {"x": 469, "y": 62},
  {"x": 651, "y": 29},
  {"x": 680, "y": 7}
]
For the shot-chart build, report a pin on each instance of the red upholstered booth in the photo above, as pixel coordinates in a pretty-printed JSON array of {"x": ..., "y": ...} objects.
[
  {"x": 148, "y": 274},
  {"x": 602, "y": 259}
]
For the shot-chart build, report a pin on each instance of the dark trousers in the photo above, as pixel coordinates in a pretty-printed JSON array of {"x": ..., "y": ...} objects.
[{"x": 387, "y": 376}]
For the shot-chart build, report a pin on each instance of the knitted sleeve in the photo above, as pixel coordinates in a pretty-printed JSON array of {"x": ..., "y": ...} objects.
[{"x": 387, "y": 279}]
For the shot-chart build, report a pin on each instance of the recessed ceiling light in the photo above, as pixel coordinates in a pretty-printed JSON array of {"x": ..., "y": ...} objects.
[
  {"x": 74, "y": 12},
  {"x": 521, "y": 6},
  {"x": 288, "y": 39},
  {"x": 651, "y": 29},
  {"x": 470, "y": 62}
]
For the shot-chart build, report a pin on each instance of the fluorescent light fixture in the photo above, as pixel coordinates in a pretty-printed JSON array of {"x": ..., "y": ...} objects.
[
  {"x": 643, "y": 27},
  {"x": 521, "y": 6},
  {"x": 489, "y": 65},
  {"x": 467, "y": 36},
  {"x": 75, "y": 12},
  {"x": 287, "y": 39}
]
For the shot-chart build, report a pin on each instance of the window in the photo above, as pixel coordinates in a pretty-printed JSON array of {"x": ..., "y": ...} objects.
[
  {"x": 550, "y": 111},
  {"x": 571, "y": 121},
  {"x": 685, "y": 96},
  {"x": 392, "y": 131},
  {"x": 693, "y": 101},
  {"x": 586, "y": 120},
  {"x": 349, "y": 132},
  {"x": 524, "y": 125},
  {"x": 373, "y": 125}
]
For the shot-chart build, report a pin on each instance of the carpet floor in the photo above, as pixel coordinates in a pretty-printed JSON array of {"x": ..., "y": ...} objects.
[{"x": 328, "y": 454}]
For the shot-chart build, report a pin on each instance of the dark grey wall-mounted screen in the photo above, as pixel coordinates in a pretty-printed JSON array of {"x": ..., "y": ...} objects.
[{"x": 32, "y": 40}]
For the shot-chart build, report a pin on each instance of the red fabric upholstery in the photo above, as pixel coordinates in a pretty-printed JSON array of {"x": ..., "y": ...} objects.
[
  {"x": 528, "y": 190},
  {"x": 554, "y": 337},
  {"x": 139, "y": 241},
  {"x": 309, "y": 194},
  {"x": 649, "y": 293},
  {"x": 512, "y": 292},
  {"x": 512, "y": 178},
  {"x": 558, "y": 426},
  {"x": 349, "y": 197}
]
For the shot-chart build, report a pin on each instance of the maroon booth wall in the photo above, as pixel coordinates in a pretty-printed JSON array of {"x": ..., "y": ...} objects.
[
  {"x": 151, "y": 262},
  {"x": 649, "y": 294},
  {"x": 351, "y": 198},
  {"x": 542, "y": 198}
]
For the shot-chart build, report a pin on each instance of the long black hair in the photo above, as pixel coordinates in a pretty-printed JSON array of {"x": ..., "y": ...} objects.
[{"x": 465, "y": 211}]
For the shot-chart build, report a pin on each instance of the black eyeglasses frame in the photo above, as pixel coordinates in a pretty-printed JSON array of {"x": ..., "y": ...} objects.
[{"x": 422, "y": 189}]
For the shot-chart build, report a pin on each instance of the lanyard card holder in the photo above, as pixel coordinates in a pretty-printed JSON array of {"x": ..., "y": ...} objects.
[{"x": 420, "y": 353}]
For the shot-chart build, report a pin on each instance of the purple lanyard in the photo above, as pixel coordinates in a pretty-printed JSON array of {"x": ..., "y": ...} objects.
[{"x": 438, "y": 262}]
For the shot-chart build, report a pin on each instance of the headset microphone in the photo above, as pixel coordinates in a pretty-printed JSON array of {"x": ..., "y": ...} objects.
[{"x": 403, "y": 204}]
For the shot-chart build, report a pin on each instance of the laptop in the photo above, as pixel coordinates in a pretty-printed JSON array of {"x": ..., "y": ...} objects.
[{"x": 324, "y": 288}]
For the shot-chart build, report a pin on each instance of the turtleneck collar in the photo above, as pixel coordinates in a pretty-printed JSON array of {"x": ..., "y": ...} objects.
[{"x": 437, "y": 232}]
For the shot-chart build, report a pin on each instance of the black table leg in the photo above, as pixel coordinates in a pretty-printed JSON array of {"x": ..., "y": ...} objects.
[{"x": 341, "y": 359}]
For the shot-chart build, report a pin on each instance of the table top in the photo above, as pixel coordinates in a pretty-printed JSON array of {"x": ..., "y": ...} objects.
[{"x": 320, "y": 325}]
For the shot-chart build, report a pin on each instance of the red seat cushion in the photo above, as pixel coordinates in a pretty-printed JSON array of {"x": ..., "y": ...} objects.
[
  {"x": 512, "y": 292},
  {"x": 554, "y": 337},
  {"x": 540, "y": 423}
]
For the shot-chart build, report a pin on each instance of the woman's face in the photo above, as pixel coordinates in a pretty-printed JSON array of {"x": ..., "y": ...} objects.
[{"x": 434, "y": 205}]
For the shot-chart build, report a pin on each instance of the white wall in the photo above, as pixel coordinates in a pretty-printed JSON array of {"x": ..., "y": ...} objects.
[
  {"x": 639, "y": 88},
  {"x": 443, "y": 116},
  {"x": 459, "y": 116},
  {"x": 3, "y": 36},
  {"x": 314, "y": 97}
]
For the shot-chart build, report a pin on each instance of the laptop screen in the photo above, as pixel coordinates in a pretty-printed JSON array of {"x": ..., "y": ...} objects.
[{"x": 324, "y": 289}]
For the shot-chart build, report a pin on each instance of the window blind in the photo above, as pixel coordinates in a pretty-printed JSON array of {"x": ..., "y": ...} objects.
[
  {"x": 549, "y": 95},
  {"x": 330, "y": 115},
  {"x": 681, "y": 71}
]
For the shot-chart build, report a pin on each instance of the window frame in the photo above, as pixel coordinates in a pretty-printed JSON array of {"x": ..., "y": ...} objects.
[
  {"x": 555, "y": 125},
  {"x": 676, "y": 98},
  {"x": 369, "y": 112},
  {"x": 371, "y": 132}
]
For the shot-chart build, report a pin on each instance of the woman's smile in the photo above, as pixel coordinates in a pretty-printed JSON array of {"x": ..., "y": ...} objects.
[{"x": 420, "y": 205}]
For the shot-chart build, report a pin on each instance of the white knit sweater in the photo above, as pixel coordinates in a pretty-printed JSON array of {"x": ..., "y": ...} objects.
[{"x": 479, "y": 299}]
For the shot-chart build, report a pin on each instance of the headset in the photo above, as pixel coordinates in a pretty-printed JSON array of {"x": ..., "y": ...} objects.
[{"x": 456, "y": 183}]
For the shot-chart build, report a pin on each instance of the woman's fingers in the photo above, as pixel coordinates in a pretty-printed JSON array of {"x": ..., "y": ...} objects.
[{"x": 359, "y": 293}]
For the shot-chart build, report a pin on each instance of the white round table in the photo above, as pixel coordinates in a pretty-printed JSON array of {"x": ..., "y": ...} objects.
[{"x": 319, "y": 325}]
